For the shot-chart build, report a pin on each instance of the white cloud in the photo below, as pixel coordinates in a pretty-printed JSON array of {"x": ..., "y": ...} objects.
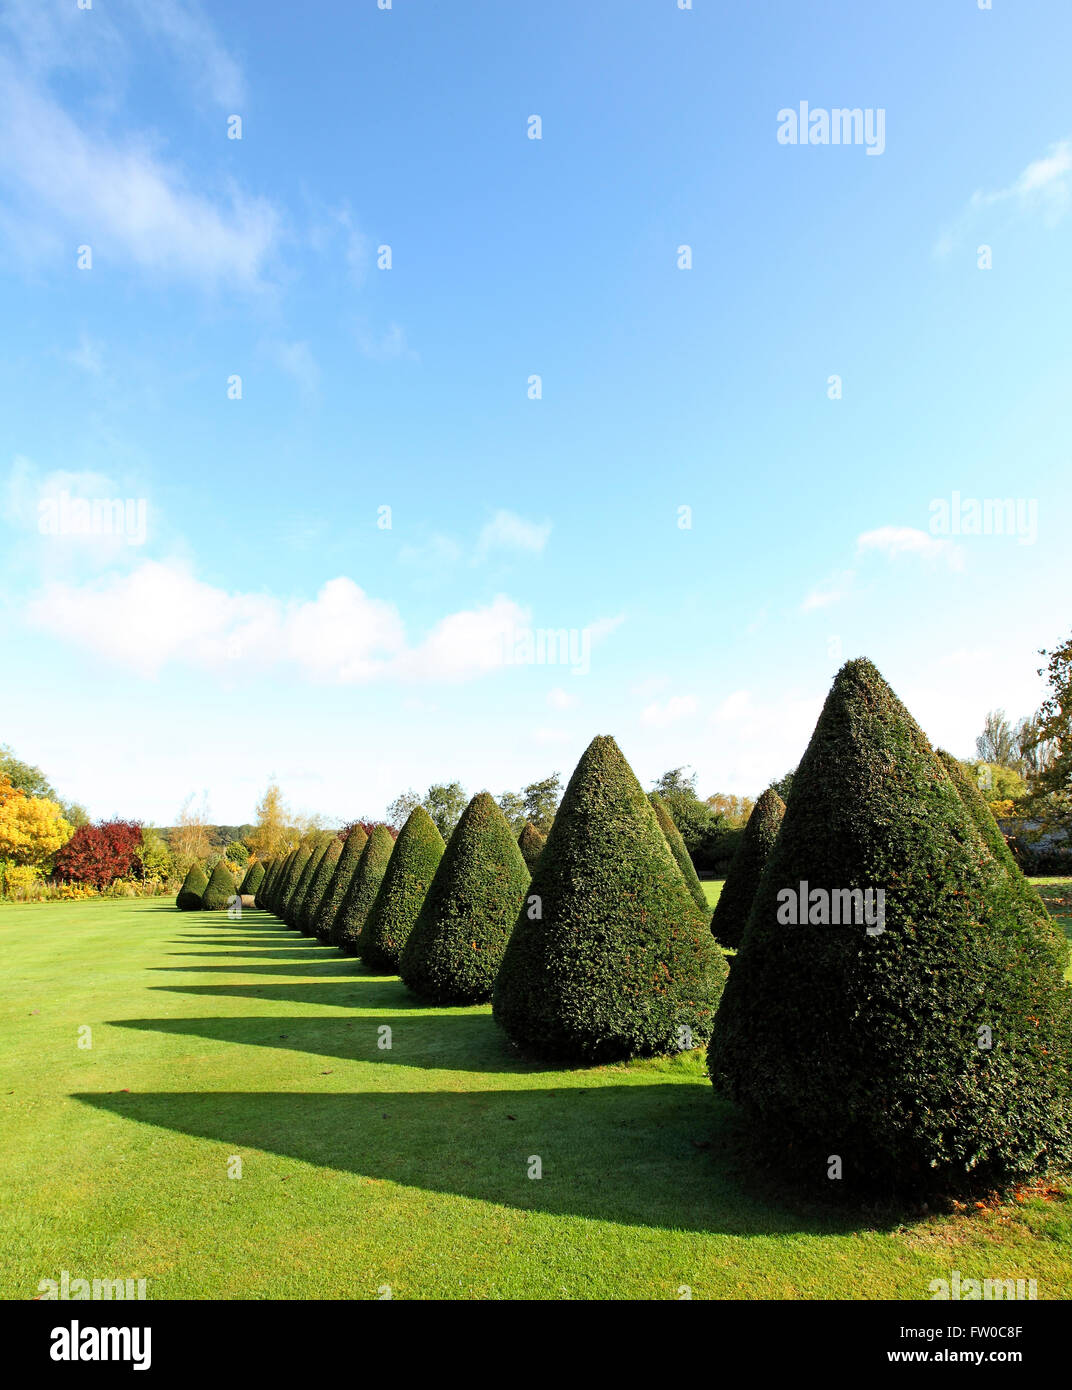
[
  {"x": 388, "y": 346},
  {"x": 894, "y": 541},
  {"x": 73, "y": 186},
  {"x": 297, "y": 360},
  {"x": 508, "y": 531},
  {"x": 1045, "y": 184},
  {"x": 194, "y": 42},
  {"x": 560, "y": 699},
  {"x": 160, "y": 614},
  {"x": 677, "y": 707},
  {"x": 88, "y": 356},
  {"x": 831, "y": 590}
]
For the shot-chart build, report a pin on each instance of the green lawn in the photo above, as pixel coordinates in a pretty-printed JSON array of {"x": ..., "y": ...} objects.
[{"x": 407, "y": 1167}]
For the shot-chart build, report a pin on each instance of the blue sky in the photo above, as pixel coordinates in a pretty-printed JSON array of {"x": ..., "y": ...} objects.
[{"x": 269, "y": 624}]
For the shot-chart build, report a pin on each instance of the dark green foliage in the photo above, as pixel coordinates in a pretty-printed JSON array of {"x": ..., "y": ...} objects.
[
  {"x": 318, "y": 885},
  {"x": 867, "y": 1045},
  {"x": 361, "y": 894},
  {"x": 531, "y": 842},
  {"x": 299, "y": 861},
  {"x": 323, "y": 922},
  {"x": 621, "y": 961},
  {"x": 221, "y": 889},
  {"x": 678, "y": 850},
  {"x": 236, "y": 852},
  {"x": 267, "y": 888},
  {"x": 318, "y": 844},
  {"x": 192, "y": 890},
  {"x": 735, "y": 901},
  {"x": 456, "y": 946},
  {"x": 410, "y": 870},
  {"x": 279, "y": 879},
  {"x": 983, "y": 819},
  {"x": 252, "y": 878}
]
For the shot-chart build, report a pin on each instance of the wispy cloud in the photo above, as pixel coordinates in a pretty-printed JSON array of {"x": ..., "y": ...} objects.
[
  {"x": 1044, "y": 186},
  {"x": 895, "y": 541},
  {"x": 72, "y": 186},
  {"x": 677, "y": 707},
  {"x": 830, "y": 591},
  {"x": 297, "y": 360},
  {"x": 510, "y": 532}
]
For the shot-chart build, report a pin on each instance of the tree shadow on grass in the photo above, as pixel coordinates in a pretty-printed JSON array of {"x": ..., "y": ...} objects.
[
  {"x": 248, "y": 952},
  {"x": 660, "y": 1156},
  {"x": 441, "y": 1042},
  {"x": 315, "y": 967},
  {"x": 353, "y": 991}
]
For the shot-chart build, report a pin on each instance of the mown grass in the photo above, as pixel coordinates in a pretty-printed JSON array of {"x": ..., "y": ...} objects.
[{"x": 363, "y": 1166}]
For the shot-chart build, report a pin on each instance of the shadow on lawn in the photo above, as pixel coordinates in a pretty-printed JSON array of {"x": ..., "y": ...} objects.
[
  {"x": 440, "y": 1041},
  {"x": 645, "y": 1155},
  {"x": 350, "y": 991}
]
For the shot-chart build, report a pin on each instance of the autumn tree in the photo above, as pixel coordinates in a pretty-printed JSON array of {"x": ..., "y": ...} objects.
[{"x": 269, "y": 837}]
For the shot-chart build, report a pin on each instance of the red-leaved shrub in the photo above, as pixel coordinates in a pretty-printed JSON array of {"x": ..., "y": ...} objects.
[{"x": 99, "y": 854}]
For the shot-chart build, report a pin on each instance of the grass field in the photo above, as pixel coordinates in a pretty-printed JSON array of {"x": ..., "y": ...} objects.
[{"x": 363, "y": 1167}]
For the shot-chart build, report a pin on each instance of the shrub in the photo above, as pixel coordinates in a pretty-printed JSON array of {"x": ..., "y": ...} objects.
[
  {"x": 318, "y": 844},
  {"x": 221, "y": 889},
  {"x": 318, "y": 885},
  {"x": 192, "y": 890},
  {"x": 410, "y": 870},
  {"x": 323, "y": 921},
  {"x": 456, "y": 946},
  {"x": 287, "y": 884},
  {"x": 99, "y": 853},
  {"x": 252, "y": 879},
  {"x": 237, "y": 853},
  {"x": 678, "y": 850},
  {"x": 988, "y": 828},
  {"x": 531, "y": 842},
  {"x": 271, "y": 871},
  {"x": 361, "y": 894},
  {"x": 610, "y": 957},
  {"x": 735, "y": 901},
  {"x": 931, "y": 1052}
]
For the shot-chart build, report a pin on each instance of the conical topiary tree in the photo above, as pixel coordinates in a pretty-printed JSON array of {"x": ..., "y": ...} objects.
[
  {"x": 988, "y": 828},
  {"x": 192, "y": 890},
  {"x": 365, "y": 884},
  {"x": 735, "y": 900},
  {"x": 271, "y": 878},
  {"x": 279, "y": 880},
  {"x": 221, "y": 889},
  {"x": 929, "y": 1048},
  {"x": 610, "y": 957},
  {"x": 298, "y": 863},
  {"x": 457, "y": 943},
  {"x": 410, "y": 870},
  {"x": 531, "y": 842},
  {"x": 678, "y": 850},
  {"x": 252, "y": 879},
  {"x": 318, "y": 885},
  {"x": 335, "y": 894},
  {"x": 318, "y": 844}
]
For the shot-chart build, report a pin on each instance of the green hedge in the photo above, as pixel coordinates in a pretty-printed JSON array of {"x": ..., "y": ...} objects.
[
  {"x": 410, "y": 870},
  {"x": 192, "y": 890},
  {"x": 365, "y": 884},
  {"x": 221, "y": 889},
  {"x": 456, "y": 946},
  {"x": 678, "y": 850},
  {"x": 871, "y": 1045},
  {"x": 735, "y": 901},
  {"x": 323, "y": 922},
  {"x": 610, "y": 957}
]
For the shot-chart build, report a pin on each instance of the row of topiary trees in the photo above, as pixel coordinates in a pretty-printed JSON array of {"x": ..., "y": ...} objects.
[
  {"x": 928, "y": 1046},
  {"x": 218, "y": 890}
]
